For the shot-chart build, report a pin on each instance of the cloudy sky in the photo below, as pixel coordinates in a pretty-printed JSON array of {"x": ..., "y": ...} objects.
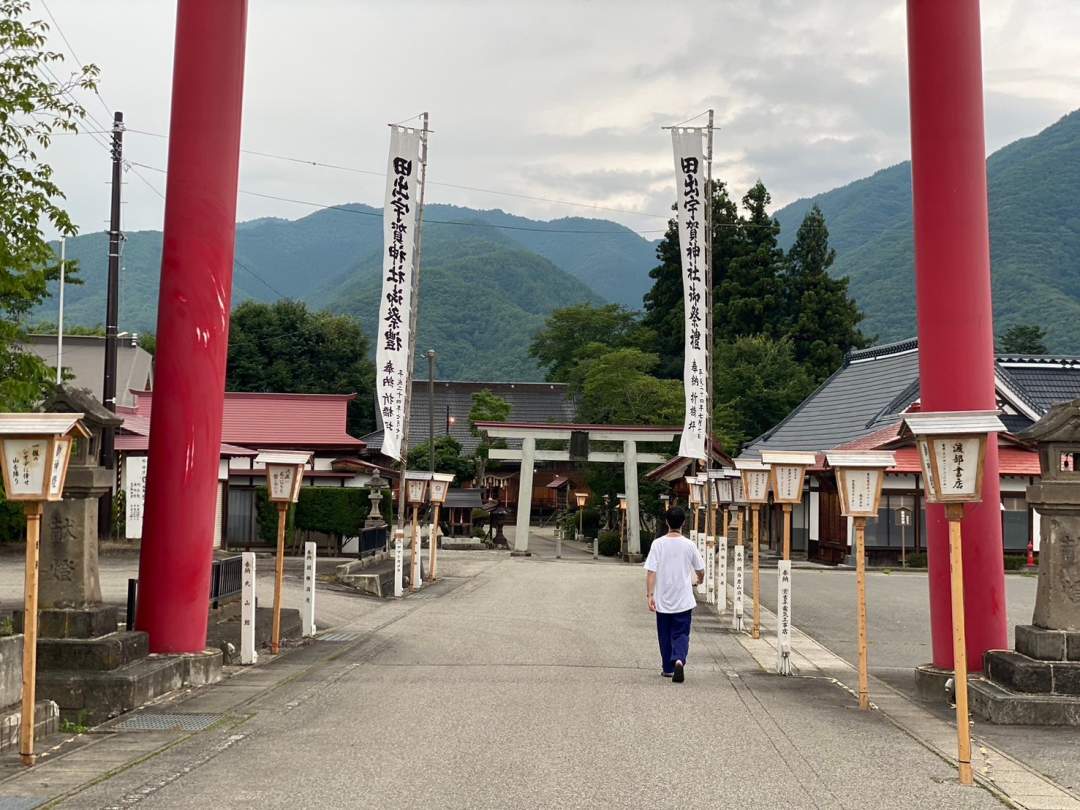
[{"x": 552, "y": 99}]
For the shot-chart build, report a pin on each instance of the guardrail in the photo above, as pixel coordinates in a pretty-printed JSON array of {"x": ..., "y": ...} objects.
[{"x": 226, "y": 581}]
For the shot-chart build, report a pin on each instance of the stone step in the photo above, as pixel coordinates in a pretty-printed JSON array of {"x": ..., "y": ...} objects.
[
  {"x": 993, "y": 702},
  {"x": 1021, "y": 673},
  {"x": 90, "y": 697},
  {"x": 1048, "y": 645},
  {"x": 46, "y": 722},
  {"x": 107, "y": 652}
]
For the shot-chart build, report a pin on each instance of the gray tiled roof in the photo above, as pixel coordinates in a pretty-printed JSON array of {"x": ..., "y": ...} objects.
[
  {"x": 850, "y": 404},
  {"x": 529, "y": 402},
  {"x": 1045, "y": 380},
  {"x": 874, "y": 385}
]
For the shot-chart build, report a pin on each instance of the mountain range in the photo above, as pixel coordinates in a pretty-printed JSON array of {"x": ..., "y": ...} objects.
[{"x": 490, "y": 278}]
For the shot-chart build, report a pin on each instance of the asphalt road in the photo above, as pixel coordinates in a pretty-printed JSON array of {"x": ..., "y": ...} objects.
[
  {"x": 533, "y": 683},
  {"x": 898, "y": 622}
]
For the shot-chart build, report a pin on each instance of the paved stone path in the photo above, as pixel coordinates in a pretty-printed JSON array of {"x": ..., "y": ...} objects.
[{"x": 512, "y": 683}]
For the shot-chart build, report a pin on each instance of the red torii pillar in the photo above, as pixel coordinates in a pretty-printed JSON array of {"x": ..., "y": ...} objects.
[
  {"x": 193, "y": 324},
  {"x": 952, "y": 285}
]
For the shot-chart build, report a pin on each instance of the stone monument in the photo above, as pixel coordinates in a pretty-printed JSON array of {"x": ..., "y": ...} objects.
[{"x": 1039, "y": 681}]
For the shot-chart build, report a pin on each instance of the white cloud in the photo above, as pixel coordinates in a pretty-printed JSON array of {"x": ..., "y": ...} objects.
[{"x": 556, "y": 99}]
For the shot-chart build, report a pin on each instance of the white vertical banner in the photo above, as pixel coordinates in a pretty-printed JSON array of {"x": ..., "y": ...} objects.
[
  {"x": 401, "y": 238},
  {"x": 399, "y": 562},
  {"x": 695, "y": 538},
  {"x": 307, "y": 616},
  {"x": 783, "y": 617},
  {"x": 721, "y": 574},
  {"x": 691, "y": 182},
  {"x": 247, "y": 610},
  {"x": 737, "y": 590}
]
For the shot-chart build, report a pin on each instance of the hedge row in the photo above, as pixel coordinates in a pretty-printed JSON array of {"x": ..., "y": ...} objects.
[{"x": 337, "y": 511}]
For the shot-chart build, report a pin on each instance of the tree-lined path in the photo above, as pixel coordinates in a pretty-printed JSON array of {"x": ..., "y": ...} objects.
[{"x": 531, "y": 683}]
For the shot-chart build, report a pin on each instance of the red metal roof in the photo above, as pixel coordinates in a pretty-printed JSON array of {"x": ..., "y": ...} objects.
[
  {"x": 268, "y": 420},
  {"x": 560, "y": 426},
  {"x": 139, "y": 443}
]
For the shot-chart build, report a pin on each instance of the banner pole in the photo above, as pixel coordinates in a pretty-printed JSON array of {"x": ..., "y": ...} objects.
[{"x": 860, "y": 579}]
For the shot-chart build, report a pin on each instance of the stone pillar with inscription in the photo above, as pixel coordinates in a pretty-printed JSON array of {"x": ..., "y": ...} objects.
[{"x": 1039, "y": 681}]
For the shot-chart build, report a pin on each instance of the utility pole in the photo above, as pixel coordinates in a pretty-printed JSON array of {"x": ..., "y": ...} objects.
[
  {"x": 431, "y": 404},
  {"x": 108, "y": 388},
  {"x": 60, "y": 317}
]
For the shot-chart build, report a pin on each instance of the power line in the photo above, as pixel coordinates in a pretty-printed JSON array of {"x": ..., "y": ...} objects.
[
  {"x": 460, "y": 187},
  {"x": 71, "y": 50}
]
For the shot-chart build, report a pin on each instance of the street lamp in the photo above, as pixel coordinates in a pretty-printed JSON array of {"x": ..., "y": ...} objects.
[
  {"x": 720, "y": 486},
  {"x": 623, "y": 525},
  {"x": 860, "y": 475},
  {"x": 35, "y": 449},
  {"x": 952, "y": 448},
  {"x": 416, "y": 487},
  {"x": 755, "y": 490},
  {"x": 284, "y": 472},
  {"x": 440, "y": 485},
  {"x": 582, "y": 498}
]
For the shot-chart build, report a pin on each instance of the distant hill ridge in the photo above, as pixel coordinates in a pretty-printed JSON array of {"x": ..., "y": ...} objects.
[{"x": 1034, "y": 195}]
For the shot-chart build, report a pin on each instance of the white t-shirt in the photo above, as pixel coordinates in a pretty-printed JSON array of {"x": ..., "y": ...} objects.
[{"x": 673, "y": 559}]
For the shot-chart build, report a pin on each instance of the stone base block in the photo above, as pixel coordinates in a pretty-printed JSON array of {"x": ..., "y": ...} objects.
[
  {"x": 46, "y": 722},
  {"x": 89, "y": 622},
  {"x": 224, "y": 636},
  {"x": 996, "y": 704},
  {"x": 92, "y": 697},
  {"x": 930, "y": 684},
  {"x": 516, "y": 553},
  {"x": 11, "y": 648},
  {"x": 1047, "y": 645},
  {"x": 107, "y": 652},
  {"x": 1020, "y": 673}
]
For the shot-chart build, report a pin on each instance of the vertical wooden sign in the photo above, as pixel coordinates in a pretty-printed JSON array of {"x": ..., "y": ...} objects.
[
  {"x": 247, "y": 610},
  {"x": 308, "y": 615},
  {"x": 783, "y": 618}
]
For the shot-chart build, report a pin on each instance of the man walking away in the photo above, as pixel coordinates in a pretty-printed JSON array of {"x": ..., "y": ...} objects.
[{"x": 670, "y": 592}]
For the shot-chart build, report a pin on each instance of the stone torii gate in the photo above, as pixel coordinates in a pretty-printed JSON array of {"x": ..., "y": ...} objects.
[{"x": 579, "y": 438}]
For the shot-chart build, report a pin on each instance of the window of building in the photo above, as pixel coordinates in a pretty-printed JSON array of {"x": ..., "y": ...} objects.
[{"x": 1015, "y": 526}]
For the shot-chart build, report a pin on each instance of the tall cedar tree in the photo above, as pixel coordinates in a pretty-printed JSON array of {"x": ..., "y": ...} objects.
[
  {"x": 822, "y": 320},
  {"x": 285, "y": 347},
  {"x": 1023, "y": 339},
  {"x": 749, "y": 296},
  {"x": 663, "y": 313}
]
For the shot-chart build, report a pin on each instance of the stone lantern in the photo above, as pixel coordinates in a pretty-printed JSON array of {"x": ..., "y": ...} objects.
[{"x": 375, "y": 494}]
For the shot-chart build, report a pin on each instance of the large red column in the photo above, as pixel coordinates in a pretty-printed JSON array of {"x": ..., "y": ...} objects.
[
  {"x": 952, "y": 286},
  {"x": 193, "y": 324}
]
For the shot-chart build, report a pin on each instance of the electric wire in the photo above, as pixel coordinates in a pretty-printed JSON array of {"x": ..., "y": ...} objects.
[{"x": 71, "y": 50}]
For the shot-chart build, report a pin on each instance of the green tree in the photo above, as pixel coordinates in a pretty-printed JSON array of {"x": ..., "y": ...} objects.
[
  {"x": 486, "y": 407},
  {"x": 557, "y": 347},
  {"x": 618, "y": 389},
  {"x": 663, "y": 304},
  {"x": 1023, "y": 339},
  {"x": 758, "y": 381},
  {"x": 749, "y": 297},
  {"x": 32, "y": 109},
  {"x": 285, "y": 347},
  {"x": 822, "y": 319},
  {"x": 448, "y": 458}
]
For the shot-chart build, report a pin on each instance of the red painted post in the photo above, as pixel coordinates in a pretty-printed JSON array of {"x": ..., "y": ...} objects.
[
  {"x": 193, "y": 324},
  {"x": 952, "y": 284}
]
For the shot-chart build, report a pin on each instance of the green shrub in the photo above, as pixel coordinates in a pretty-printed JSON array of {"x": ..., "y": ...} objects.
[
  {"x": 119, "y": 515},
  {"x": 609, "y": 543},
  {"x": 917, "y": 560},
  {"x": 646, "y": 542},
  {"x": 12, "y": 522},
  {"x": 1015, "y": 562},
  {"x": 590, "y": 521},
  {"x": 568, "y": 526},
  {"x": 266, "y": 517},
  {"x": 336, "y": 511}
]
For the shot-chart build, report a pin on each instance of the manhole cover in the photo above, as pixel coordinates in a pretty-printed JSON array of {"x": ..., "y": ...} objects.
[
  {"x": 155, "y": 721},
  {"x": 340, "y": 635}
]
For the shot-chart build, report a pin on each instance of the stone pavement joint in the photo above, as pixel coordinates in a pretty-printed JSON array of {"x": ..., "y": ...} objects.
[{"x": 1004, "y": 775}]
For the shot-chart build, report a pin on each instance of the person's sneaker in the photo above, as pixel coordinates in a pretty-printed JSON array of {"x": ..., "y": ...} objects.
[
  {"x": 678, "y": 676},
  {"x": 667, "y": 674}
]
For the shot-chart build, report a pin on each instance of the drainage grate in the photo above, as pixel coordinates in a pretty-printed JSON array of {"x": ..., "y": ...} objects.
[
  {"x": 339, "y": 635},
  {"x": 160, "y": 721}
]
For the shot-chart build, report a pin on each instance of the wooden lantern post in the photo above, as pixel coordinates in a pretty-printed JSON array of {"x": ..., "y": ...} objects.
[
  {"x": 284, "y": 473},
  {"x": 440, "y": 485},
  {"x": 721, "y": 497},
  {"x": 416, "y": 489},
  {"x": 624, "y": 527},
  {"x": 581, "y": 498},
  {"x": 738, "y": 565},
  {"x": 693, "y": 501},
  {"x": 35, "y": 449},
  {"x": 952, "y": 452},
  {"x": 788, "y": 471},
  {"x": 755, "y": 492},
  {"x": 860, "y": 475}
]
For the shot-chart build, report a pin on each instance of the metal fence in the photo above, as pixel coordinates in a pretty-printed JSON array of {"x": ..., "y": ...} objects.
[{"x": 226, "y": 581}]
